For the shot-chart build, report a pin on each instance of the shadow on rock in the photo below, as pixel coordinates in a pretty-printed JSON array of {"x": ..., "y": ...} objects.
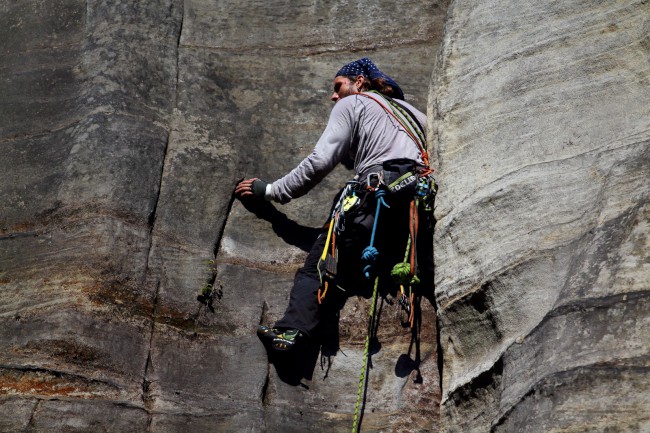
[
  {"x": 295, "y": 365},
  {"x": 290, "y": 231},
  {"x": 298, "y": 363},
  {"x": 405, "y": 365}
]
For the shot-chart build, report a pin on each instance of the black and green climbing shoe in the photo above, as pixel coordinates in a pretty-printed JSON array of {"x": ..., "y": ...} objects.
[
  {"x": 267, "y": 334},
  {"x": 287, "y": 339}
]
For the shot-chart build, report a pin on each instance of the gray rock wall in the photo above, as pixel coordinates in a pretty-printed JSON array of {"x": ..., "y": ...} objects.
[
  {"x": 542, "y": 114},
  {"x": 124, "y": 128},
  {"x": 125, "y": 125}
]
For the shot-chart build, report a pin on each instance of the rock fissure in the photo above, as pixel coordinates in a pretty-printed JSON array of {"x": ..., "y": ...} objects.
[
  {"x": 278, "y": 268},
  {"x": 222, "y": 229},
  {"x": 147, "y": 396},
  {"x": 604, "y": 303},
  {"x": 32, "y": 418},
  {"x": 547, "y": 380},
  {"x": 31, "y": 234},
  {"x": 58, "y": 128},
  {"x": 305, "y": 49},
  {"x": 55, "y": 373}
]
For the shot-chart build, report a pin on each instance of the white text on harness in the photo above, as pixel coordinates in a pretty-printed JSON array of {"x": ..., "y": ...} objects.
[{"x": 404, "y": 183}]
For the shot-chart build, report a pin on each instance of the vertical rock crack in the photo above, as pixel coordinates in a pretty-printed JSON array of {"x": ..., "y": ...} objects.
[{"x": 147, "y": 397}]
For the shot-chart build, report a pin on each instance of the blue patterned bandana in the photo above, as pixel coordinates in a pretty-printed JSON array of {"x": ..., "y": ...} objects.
[{"x": 368, "y": 69}]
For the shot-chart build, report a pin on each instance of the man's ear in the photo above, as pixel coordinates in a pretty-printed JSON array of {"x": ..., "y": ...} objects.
[{"x": 360, "y": 82}]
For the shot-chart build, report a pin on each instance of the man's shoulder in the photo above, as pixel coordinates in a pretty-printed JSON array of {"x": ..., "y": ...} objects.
[
  {"x": 409, "y": 106},
  {"x": 380, "y": 98},
  {"x": 358, "y": 102},
  {"x": 348, "y": 105}
]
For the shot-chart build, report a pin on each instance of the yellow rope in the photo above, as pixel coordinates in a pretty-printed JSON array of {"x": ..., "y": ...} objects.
[
  {"x": 366, "y": 350},
  {"x": 323, "y": 289},
  {"x": 327, "y": 240}
]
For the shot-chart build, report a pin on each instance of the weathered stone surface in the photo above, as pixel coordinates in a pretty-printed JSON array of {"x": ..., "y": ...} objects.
[
  {"x": 307, "y": 27},
  {"x": 20, "y": 412},
  {"x": 78, "y": 415},
  {"x": 542, "y": 121},
  {"x": 124, "y": 128},
  {"x": 84, "y": 151},
  {"x": 125, "y": 125},
  {"x": 42, "y": 46}
]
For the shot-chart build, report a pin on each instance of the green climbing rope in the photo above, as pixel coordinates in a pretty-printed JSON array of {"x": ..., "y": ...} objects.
[{"x": 366, "y": 350}]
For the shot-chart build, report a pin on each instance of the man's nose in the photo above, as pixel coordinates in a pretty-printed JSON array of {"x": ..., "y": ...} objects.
[{"x": 334, "y": 97}]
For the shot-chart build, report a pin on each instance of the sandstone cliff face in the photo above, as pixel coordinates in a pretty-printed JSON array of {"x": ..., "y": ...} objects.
[
  {"x": 125, "y": 126},
  {"x": 542, "y": 113}
]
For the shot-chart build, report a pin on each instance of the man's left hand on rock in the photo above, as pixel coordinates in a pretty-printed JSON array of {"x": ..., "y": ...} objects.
[{"x": 251, "y": 188}]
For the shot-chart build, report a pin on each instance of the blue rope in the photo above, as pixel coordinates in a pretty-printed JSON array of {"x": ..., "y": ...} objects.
[{"x": 370, "y": 253}]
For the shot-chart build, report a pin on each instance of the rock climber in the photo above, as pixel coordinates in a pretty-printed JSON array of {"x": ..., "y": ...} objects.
[{"x": 373, "y": 130}]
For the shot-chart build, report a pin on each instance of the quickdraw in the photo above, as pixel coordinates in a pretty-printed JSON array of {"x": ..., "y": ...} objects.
[
  {"x": 370, "y": 254},
  {"x": 405, "y": 273},
  {"x": 327, "y": 262}
]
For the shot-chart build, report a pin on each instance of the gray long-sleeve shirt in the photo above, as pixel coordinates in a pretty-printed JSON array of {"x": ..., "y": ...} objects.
[{"x": 358, "y": 128}]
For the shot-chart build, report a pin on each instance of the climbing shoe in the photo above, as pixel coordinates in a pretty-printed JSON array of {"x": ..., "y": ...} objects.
[
  {"x": 267, "y": 334},
  {"x": 286, "y": 340},
  {"x": 281, "y": 340}
]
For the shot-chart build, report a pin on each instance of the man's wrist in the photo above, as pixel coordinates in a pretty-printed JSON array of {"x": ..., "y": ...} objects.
[
  {"x": 259, "y": 188},
  {"x": 268, "y": 191}
]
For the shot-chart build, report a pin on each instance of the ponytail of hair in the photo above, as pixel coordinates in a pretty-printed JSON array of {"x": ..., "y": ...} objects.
[{"x": 379, "y": 84}]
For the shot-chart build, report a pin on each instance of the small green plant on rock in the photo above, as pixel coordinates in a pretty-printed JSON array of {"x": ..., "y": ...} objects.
[{"x": 213, "y": 288}]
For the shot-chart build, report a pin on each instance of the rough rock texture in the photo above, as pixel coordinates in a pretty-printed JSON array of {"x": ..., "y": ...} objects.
[
  {"x": 124, "y": 127},
  {"x": 542, "y": 114}
]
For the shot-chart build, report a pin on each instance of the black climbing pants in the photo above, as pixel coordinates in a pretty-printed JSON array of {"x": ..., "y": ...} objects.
[{"x": 305, "y": 313}]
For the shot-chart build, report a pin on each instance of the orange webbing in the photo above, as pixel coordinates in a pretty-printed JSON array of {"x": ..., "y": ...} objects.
[
  {"x": 413, "y": 228},
  {"x": 320, "y": 296}
]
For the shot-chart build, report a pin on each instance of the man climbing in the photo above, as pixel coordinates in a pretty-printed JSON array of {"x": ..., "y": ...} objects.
[{"x": 373, "y": 130}]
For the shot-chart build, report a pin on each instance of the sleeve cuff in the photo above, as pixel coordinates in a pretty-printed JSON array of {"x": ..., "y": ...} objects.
[{"x": 268, "y": 192}]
